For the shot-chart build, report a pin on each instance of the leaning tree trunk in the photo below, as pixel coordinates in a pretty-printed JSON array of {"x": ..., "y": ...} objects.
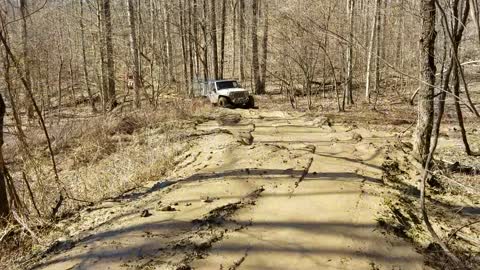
[
  {"x": 456, "y": 40},
  {"x": 424, "y": 127},
  {"x": 4, "y": 207}
]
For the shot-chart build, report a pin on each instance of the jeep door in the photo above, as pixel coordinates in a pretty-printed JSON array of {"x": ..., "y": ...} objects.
[{"x": 212, "y": 92}]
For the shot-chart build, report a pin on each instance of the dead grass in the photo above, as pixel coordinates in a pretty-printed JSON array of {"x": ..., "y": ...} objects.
[
  {"x": 97, "y": 157},
  {"x": 450, "y": 207}
]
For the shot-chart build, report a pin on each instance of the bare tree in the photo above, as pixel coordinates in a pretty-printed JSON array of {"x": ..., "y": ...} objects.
[
  {"x": 241, "y": 19},
  {"x": 424, "y": 127},
  {"x": 264, "y": 49},
  {"x": 84, "y": 59},
  {"x": 255, "y": 61},
  {"x": 349, "y": 78},
  {"x": 168, "y": 40},
  {"x": 370, "y": 49},
  {"x": 134, "y": 52},
  {"x": 222, "y": 38},
  {"x": 4, "y": 206},
  {"x": 110, "y": 101},
  {"x": 26, "y": 56},
  {"x": 213, "y": 31}
]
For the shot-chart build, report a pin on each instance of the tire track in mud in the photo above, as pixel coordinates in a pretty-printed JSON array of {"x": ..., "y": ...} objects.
[{"x": 206, "y": 231}]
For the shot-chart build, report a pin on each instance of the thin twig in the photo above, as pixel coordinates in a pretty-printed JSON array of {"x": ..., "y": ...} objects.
[{"x": 460, "y": 228}]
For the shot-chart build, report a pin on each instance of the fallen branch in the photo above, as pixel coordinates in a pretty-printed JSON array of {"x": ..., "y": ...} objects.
[{"x": 304, "y": 173}]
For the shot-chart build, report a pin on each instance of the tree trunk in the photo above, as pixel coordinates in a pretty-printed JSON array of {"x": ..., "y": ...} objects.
[
  {"x": 255, "y": 62},
  {"x": 205, "y": 39},
  {"x": 59, "y": 85},
  {"x": 241, "y": 18},
  {"x": 378, "y": 47},
  {"x": 213, "y": 31},
  {"x": 84, "y": 59},
  {"x": 424, "y": 127},
  {"x": 184, "y": 40},
  {"x": 460, "y": 20},
  {"x": 102, "y": 75},
  {"x": 168, "y": 40},
  {"x": 4, "y": 207},
  {"x": 26, "y": 57},
  {"x": 222, "y": 39},
  {"x": 110, "y": 101},
  {"x": 476, "y": 17},
  {"x": 370, "y": 51},
  {"x": 196, "y": 39},
  {"x": 234, "y": 38},
  {"x": 262, "y": 88},
  {"x": 458, "y": 109},
  {"x": 349, "y": 79},
  {"x": 191, "y": 46},
  {"x": 134, "y": 52}
]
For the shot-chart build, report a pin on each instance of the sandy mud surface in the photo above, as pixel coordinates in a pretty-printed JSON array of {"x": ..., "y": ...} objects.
[{"x": 306, "y": 194}]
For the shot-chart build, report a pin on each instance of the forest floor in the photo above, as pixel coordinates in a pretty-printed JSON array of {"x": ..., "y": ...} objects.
[{"x": 311, "y": 192}]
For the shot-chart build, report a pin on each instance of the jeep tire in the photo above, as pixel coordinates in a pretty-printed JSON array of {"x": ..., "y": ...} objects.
[
  {"x": 223, "y": 102},
  {"x": 250, "y": 103}
]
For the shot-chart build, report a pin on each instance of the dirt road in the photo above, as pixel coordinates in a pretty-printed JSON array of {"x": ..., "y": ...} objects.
[{"x": 304, "y": 195}]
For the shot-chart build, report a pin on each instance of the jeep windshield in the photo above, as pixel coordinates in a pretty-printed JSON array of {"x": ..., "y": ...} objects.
[{"x": 227, "y": 85}]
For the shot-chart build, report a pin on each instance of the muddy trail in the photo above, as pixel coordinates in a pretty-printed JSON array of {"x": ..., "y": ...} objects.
[{"x": 304, "y": 194}]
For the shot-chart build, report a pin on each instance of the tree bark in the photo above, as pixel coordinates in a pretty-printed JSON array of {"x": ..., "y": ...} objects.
[
  {"x": 84, "y": 60},
  {"x": 349, "y": 78},
  {"x": 134, "y": 52},
  {"x": 241, "y": 19},
  {"x": 110, "y": 101},
  {"x": 262, "y": 88},
  {"x": 168, "y": 40},
  {"x": 213, "y": 31},
  {"x": 4, "y": 207},
  {"x": 424, "y": 127},
  {"x": 184, "y": 42},
  {"x": 234, "y": 38},
  {"x": 191, "y": 46},
  {"x": 26, "y": 57},
  {"x": 222, "y": 38},
  {"x": 378, "y": 47},
  {"x": 370, "y": 51},
  {"x": 476, "y": 17},
  {"x": 205, "y": 39},
  {"x": 255, "y": 62}
]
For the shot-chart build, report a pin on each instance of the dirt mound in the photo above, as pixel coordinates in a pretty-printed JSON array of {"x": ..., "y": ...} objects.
[
  {"x": 229, "y": 119},
  {"x": 126, "y": 126}
]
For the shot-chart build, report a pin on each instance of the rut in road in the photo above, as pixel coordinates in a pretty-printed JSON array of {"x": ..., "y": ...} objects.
[{"x": 303, "y": 196}]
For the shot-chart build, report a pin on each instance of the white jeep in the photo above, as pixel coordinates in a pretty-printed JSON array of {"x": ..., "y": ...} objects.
[{"x": 228, "y": 93}]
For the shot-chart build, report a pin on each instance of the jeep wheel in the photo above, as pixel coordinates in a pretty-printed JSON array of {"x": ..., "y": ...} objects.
[
  {"x": 223, "y": 102},
  {"x": 250, "y": 103}
]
